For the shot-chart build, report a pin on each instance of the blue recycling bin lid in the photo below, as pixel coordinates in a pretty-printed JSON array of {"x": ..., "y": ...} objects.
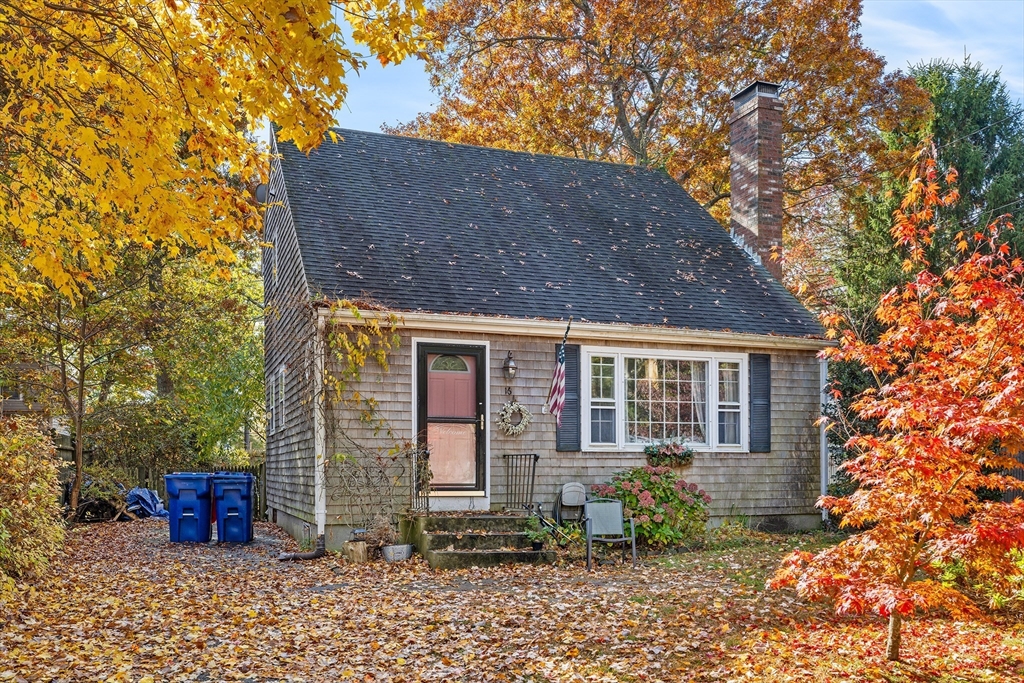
[
  {"x": 233, "y": 481},
  {"x": 191, "y": 481}
]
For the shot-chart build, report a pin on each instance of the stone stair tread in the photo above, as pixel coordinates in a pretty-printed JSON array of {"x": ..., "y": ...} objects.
[
  {"x": 474, "y": 533},
  {"x": 459, "y": 541},
  {"x": 460, "y": 559}
]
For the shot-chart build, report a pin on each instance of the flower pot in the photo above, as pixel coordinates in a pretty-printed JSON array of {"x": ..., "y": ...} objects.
[
  {"x": 538, "y": 545},
  {"x": 396, "y": 553}
]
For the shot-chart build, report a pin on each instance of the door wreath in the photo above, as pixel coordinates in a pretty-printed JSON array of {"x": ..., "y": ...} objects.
[{"x": 506, "y": 418}]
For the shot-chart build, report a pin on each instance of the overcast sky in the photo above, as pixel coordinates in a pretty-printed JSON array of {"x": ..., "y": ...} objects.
[{"x": 902, "y": 31}]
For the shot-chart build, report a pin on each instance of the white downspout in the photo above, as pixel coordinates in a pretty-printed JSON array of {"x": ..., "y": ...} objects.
[
  {"x": 319, "y": 449},
  {"x": 823, "y": 386},
  {"x": 319, "y": 430}
]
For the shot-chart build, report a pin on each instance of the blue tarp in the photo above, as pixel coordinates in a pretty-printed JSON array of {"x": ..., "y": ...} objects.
[{"x": 145, "y": 503}]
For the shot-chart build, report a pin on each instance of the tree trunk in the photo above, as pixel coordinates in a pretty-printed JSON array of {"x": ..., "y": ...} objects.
[
  {"x": 892, "y": 646},
  {"x": 76, "y": 486}
]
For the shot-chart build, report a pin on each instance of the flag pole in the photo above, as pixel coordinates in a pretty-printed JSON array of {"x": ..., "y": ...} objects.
[
  {"x": 565, "y": 337},
  {"x": 556, "y": 395}
]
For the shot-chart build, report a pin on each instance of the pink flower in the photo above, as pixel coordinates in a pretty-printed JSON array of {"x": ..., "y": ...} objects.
[
  {"x": 644, "y": 519},
  {"x": 645, "y": 499},
  {"x": 707, "y": 499},
  {"x": 656, "y": 478},
  {"x": 692, "y": 488},
  {"x": 659, "y": 518}
]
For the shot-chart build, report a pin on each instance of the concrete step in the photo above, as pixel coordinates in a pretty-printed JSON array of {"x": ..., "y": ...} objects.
[
  {"x": 474, "y": 541},
  {"x": 470, "y": 524},
  {"x": 461, "y": 559}
]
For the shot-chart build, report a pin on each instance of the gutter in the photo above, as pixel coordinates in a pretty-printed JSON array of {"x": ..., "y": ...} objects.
[{"x": 449, "y": 322}]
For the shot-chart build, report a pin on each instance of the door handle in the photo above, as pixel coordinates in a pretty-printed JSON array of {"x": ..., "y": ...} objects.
[{"x": 482, "y": 424}]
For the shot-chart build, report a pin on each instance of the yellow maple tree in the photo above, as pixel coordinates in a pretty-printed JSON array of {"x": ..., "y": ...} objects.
[{"x": 131, "y": 121}]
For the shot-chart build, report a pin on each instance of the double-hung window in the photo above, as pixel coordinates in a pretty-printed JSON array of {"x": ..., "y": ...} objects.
[
  {"x": 275, "y": 402},
  {"x": 639, "y": 397},
  {"x": 279, "y": 418},
  {"x": 602, "y": 400},
  {"x": 271, "y": 408}
]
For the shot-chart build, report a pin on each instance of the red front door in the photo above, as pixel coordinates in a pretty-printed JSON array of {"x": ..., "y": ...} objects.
[{"x": 452, "y": 416}]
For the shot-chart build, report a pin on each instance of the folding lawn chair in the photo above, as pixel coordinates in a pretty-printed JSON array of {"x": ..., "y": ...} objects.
[
  {"x": 569, "y": 503},
  {"x": 605, "y": 525}
]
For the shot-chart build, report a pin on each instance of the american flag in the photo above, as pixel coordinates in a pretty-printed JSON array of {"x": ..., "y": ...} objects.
[{"x": 556, "y": 396}]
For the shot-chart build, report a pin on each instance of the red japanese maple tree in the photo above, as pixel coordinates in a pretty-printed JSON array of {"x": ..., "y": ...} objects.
[{"x": 949, "y": 406}]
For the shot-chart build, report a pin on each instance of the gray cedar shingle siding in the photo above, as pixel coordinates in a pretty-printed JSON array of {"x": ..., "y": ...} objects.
[
  {"x": 288, "y": 323},
  {"x": 420, "y": 225},
  {"x": 782, "y": 482}
]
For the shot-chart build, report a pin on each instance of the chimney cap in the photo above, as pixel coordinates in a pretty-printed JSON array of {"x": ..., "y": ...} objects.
[{"x": 756, "y": 88}]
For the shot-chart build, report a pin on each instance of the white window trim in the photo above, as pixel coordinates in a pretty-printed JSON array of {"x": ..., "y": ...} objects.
[
  {"x": 621, "y": 353},
  {"x": 279, "y": 388},
  {"x": 271, "y": 405}
]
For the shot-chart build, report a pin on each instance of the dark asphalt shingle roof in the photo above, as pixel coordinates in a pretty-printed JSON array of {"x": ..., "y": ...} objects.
[{"x": 429, "y": 226}]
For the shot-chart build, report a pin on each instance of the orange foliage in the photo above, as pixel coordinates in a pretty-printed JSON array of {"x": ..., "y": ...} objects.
[
  {"x": 950, "y": 374},
  {"x": 650, "y": 83}
]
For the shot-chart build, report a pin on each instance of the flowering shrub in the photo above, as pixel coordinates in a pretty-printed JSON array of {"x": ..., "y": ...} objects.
[
  {"x": 31, "y": 529},
  {"x": 666, "y": 509},
  {"x": 671, "y": 454}
]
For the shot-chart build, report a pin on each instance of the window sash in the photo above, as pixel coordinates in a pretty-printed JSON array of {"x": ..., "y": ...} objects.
[
  {"x": 666, "y": 399},
  {"x": 10, "y": 392},
  {"x": 729, "y": 413},
  {"x": 603, "y": 423},
  {"x": 725, "y": 375}
]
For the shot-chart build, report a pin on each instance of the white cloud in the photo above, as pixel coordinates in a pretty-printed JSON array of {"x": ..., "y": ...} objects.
[{"x": 991, "y": 32}]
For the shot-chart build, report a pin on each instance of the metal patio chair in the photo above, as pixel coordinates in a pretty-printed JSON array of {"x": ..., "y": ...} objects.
[{"x": 605, "y": 525}]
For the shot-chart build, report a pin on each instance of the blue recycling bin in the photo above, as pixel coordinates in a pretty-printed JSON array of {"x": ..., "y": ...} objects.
[
  {"x": 232, "y": 498},
  {"x": 188, "y": 502}
]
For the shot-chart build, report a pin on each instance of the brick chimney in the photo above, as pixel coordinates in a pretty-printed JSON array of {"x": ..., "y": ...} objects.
[{"x": 755, "y": 171}]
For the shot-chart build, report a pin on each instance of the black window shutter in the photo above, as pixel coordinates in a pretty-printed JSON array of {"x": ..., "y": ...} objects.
[
  {"x": 760, "y": 403},
  {"x": 567, "y": 436}
]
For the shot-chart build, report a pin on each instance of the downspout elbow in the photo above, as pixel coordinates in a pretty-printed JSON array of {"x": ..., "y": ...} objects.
[{"x": 319, "y": 551}]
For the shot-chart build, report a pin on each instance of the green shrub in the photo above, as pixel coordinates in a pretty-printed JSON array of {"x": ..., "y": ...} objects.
[
  {"x": 999, "y": 588},
  {"x": 31, "y": 528},
  {"x": 667, "y": 510}
]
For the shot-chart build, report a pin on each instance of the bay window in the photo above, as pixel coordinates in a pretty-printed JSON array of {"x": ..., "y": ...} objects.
[{"x": 640, "y": 397}]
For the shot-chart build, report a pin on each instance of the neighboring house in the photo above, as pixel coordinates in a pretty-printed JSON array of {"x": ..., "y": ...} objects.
[
  {"x": 677, "y": 330},
  {"x": 15, "y": 398}
]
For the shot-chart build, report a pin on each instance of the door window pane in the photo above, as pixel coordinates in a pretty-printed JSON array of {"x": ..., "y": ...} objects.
[
  {"x": 449, "y": 364},
  {"x": 451, "y": 391},
  {"x": 452, "y": 453}
]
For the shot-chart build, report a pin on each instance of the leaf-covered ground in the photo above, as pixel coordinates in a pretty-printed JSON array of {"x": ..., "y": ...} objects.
[{"x": 124, "y": 604}]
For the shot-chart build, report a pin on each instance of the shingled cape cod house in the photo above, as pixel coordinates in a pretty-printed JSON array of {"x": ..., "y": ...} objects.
[{"x": 679, "y": 331}]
